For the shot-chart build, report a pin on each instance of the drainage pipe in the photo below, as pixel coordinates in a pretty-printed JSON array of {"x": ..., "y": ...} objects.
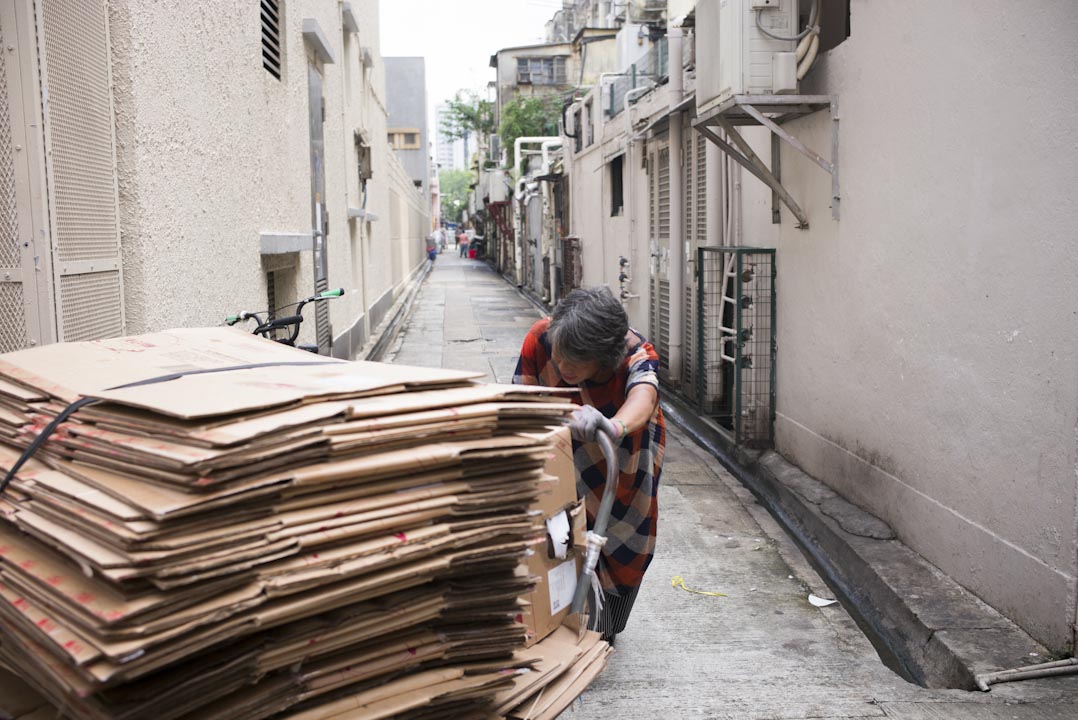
[
  {"x": 676, "y": 266},
  {"x": 1029, "y": 672}
]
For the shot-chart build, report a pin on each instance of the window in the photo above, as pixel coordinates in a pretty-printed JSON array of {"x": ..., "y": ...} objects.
[
  {"x": 541, "y": 71},
  {"x": 578, "y": 131},
  {"x": 404, "y": 138},
  {"x": 271, "y": 37},
  {"x": 617, "y": 191}
]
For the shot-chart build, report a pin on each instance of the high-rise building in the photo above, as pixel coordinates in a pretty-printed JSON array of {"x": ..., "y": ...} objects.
[{"x": 448, "y": 152}]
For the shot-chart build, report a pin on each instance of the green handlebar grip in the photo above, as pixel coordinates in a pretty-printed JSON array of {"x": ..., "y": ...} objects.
[
  {"x": 232, "y": 319},
  {"x": 332, "y": 293}
]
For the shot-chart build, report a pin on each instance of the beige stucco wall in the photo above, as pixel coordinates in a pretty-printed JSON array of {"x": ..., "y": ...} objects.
[
  {"x": 604, "y": 237},
  {"x": 928, "y": 340},
  {"x": 212, "y": 151}
]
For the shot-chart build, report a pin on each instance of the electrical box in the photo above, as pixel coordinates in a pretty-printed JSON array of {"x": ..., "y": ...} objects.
[
  {"x": 733, "y": 57},
  {"x": 363, "y": 155}
]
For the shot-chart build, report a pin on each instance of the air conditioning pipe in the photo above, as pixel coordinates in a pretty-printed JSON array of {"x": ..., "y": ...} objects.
[
  {"x": 546, "y": 147},
  {"x": 530, "y": 140}
]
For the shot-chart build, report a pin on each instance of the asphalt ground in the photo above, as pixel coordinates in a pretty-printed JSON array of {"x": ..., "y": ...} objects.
[{"x": 763, "y": 650}]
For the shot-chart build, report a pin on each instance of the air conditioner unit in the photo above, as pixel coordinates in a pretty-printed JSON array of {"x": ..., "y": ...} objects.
[
  {"x": 496, "y": 188},
  {"x": 733, "y": 57}
]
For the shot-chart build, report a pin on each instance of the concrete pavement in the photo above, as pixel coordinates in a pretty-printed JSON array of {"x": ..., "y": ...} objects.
[{"x": 761, "y": 652}]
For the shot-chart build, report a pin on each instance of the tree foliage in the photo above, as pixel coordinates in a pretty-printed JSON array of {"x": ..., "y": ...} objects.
[
  {"x": 528, "y": 116},
  {"x": 454, "y": 186},
  {"x": 467, "y": 115}
]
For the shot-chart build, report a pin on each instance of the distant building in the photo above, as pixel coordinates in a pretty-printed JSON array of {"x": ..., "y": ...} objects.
[
  {"x": 448, "y": 152},
  {"x": 406, "y": 105}
]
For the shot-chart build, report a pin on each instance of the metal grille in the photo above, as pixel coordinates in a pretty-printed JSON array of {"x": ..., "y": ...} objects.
[
  {"x": 701, "y": 190},
  {"x": 663, "y": 212},
  {"x": 271, "y": 37},
  {"x": 9, "y": 216},
  {"x": 12, "y": 318},
  {"x": 688, "y": 365},
  {"x": 91, "y": 303},
  {"x": 80, "y": 124},
  {"x": 321, "y": 318},
  {"x": 661, "y": 322},
  {"x": 736, "y": 337}
]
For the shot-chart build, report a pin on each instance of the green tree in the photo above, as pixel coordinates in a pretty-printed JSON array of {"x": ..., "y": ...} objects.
[
  {"x": 528, "y": 116},
  {"x": 468, "y": 115},
  {"x": 454, "y": 186}
]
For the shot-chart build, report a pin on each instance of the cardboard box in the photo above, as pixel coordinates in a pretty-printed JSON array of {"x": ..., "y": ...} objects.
[
  {"x": 560, "y": 484},
  {"x": 548, "y": 605}
]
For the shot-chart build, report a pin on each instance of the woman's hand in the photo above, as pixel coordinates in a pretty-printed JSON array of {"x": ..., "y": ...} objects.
[{"x": 586, "y": 422}]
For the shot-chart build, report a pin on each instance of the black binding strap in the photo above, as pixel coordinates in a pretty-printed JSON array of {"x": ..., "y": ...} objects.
[{"x": 67, "y": 412}]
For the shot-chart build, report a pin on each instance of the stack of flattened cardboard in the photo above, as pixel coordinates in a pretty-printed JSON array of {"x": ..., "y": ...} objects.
[{"x": 236, "y": 529}]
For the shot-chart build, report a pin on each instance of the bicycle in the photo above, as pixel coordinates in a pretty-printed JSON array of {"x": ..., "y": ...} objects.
[{"x": 268, "y": 328}]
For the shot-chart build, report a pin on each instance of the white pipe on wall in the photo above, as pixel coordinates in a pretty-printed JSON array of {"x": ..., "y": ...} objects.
[
  {"x": 627, "y": 179},
  {"x": 530, "y": 140}
]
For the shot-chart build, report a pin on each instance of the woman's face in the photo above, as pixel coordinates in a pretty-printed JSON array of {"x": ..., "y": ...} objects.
[{"x": 575, "y": 372}]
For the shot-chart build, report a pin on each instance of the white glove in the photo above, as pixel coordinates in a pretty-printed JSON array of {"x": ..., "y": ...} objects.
[{"x": 586, "y": 422}]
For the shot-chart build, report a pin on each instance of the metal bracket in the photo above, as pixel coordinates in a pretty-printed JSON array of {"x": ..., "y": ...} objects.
[{"x": 771, "y": 112}]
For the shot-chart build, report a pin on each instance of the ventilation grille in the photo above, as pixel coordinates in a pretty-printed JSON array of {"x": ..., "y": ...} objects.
[
  {"x": 271, "y": 37},
  {"x": 9, "y": 218},
  {"x": 660, "y": 322},
  {"x": 664, "y": 194},
  {"x": 80, "y": 131},
  {"x": 688, "y": 364},
  {"x": 321, "y": 316},
  {"x": 12, "y": 318},
  {"x": 91, "y": 305},
  {"x": 701, "y": 190}
]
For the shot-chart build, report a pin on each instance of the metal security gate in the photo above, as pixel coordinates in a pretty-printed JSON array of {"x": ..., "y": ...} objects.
[
  {"x": 80, "y": 154},
  {"x": 659, "y": 233},
  {"x": 736, "y": 337},
  {"x": 60, "y": 267},
  {"x": 19, "y": 316}
]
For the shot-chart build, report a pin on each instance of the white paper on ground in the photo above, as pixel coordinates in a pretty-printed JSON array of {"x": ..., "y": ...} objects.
[
  {"x": 558, "y": 529},
  {"x": 562, "y": 585},
  {"x": 820, "y": 602}
]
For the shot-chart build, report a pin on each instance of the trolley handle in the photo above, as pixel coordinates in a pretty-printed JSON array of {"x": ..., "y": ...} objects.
[{"x": 602, "y": 518}]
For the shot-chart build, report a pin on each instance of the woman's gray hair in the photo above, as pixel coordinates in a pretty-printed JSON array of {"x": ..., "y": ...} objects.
[{"x": 590, "y": 324}]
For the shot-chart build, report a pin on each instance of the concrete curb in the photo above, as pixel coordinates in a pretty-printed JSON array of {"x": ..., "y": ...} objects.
[
  {"x": 392, "y": 327},
  {"x": 925, "y": 626}
]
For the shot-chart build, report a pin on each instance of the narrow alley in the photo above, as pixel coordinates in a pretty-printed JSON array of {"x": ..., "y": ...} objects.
[{"x": 762, "y": 651}]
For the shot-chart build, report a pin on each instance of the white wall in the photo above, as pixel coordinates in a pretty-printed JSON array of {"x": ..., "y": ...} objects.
[
  {"x": 213, "y": 150},
  {"x": 928, "y": 340}
]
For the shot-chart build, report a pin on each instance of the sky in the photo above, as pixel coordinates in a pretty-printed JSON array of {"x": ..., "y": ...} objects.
[{"x": 457, "y": 37}]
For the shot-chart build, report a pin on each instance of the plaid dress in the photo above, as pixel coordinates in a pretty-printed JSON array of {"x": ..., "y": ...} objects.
[{"x": 631, "y": 533}]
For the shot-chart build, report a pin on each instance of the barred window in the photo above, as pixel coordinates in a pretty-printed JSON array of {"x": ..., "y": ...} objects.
[{"x": 541, "y": 71}]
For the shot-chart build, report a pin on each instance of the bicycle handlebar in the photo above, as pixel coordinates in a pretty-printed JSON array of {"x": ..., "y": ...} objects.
[{"x": 283, "y": 323}]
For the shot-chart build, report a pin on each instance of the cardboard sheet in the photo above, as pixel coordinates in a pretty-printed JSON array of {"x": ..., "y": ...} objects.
[{"x": 336, "y": 537}]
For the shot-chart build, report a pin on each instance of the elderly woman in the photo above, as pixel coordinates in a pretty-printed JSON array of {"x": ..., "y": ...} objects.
[{"x": 588, "y": 344}]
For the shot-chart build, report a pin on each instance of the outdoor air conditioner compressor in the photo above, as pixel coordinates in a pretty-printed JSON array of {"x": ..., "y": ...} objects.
[{"x": 733, "y": 55}]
